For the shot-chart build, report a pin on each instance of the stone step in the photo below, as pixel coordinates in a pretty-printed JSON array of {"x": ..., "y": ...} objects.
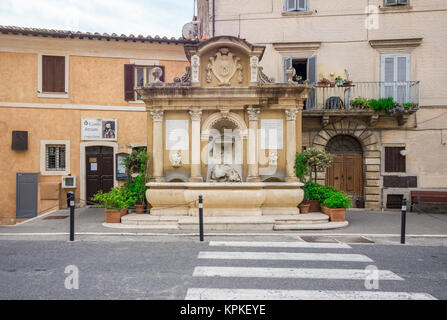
[
  {"x": 146, "y": 219},
  {"x": 228, "y": 223},
  {"x": 308, "y": 218},
  {"x": 311, "y": 226},
  {"x": 310, "y": 221}
]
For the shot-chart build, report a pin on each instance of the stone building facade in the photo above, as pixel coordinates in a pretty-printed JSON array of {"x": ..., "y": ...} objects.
[
  {"x": 56, "y": 89},
  {"x": 386, "y": 49}
]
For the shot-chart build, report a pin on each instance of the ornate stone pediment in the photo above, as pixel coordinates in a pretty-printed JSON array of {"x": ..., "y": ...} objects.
[{"x": 224, "y": 65}]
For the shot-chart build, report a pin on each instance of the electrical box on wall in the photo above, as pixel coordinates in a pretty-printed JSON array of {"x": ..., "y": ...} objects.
[
  {"x": 68, "y": 182},
  {"x": 19, "y": 140}
]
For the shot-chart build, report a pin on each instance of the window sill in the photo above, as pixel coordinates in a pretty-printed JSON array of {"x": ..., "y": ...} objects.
[
  {"x": 297, "y": 13},
  {"x": 55, "y": 173},
  {"x": 137, "y": 102},
  {"x": 396, "y": 8},
  {"x": 53, "y": 95}
]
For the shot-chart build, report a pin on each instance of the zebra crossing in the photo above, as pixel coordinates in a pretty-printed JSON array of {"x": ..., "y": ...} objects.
[{"x": 224, "y": 251}]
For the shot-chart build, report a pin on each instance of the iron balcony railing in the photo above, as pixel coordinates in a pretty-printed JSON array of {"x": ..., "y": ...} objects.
[{"x": 339, "y": 97}]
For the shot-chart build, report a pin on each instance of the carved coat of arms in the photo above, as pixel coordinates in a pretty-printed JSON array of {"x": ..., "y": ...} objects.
[{"x": 224, "y": 65}]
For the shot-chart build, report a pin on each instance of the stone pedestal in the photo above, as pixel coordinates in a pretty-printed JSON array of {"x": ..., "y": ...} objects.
[
  {"x": 252, "y": 145},
  {"x": 291, "y": 144},
  {"x": 196, "y": 173},
  {"x": 157, "y": 145}
]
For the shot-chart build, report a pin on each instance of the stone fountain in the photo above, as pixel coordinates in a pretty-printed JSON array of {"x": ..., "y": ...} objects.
[{"x": 225, "y": 131}]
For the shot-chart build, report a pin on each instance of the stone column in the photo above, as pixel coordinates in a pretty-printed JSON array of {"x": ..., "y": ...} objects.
[
  {"x": 299, "y": 126},
  {"x": 196, "y": 171},
  {"x": 252, "y": 145},
  {"x": 157, "y": 144},
  {"x": 291, "y": 144}
]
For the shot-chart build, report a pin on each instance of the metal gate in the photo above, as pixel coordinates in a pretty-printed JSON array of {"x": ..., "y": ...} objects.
[{"x": 26, "y": 195}]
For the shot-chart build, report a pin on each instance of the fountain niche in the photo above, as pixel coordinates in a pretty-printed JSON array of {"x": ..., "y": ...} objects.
[{"x": 222, "y": 131}]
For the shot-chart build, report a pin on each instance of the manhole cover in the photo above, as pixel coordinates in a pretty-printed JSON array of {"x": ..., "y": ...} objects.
[
  {"x": 55, "y": 217},
  {"x": 318, "y": 239},
  {"x": 353, "y": 239}
]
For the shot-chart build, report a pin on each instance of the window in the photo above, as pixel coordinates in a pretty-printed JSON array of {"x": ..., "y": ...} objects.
[
  {"x": 391, "y": 3},
  {"x": 52, "y": 76},
  {"x": 395, "y": 159},
  {"x": 396, "y": 77},
  {"x": 55, "y": 158},
  {"x": 296, "y": 5},
  {"x": 137, "y": 76},
  {"x": 394, "y": 201}
]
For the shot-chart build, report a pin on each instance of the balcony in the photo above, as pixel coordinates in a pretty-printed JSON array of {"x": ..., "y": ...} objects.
[{"x": 363, "y": 99}]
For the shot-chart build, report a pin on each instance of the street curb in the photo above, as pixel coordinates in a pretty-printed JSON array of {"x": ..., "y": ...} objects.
[{"x": 297, "y": 234}]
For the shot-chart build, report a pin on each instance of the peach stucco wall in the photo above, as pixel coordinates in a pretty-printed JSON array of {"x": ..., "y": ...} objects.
[
  {"x": 96, "y": 81},
  {"x": 53, "y": 124},
  {"x": 92, "y": 80}
]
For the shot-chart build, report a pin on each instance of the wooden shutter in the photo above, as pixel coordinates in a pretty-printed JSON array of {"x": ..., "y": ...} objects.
[
  {"x": 53, "y": 74},
  {"x": 396, "y": 77},
  {"x": 290, "y": 5},
  {"x": 301, "y": 5},
  {"x": 390, "y": 2},
  {"x": 287, "y": 62},
  {"x": 402, "y": 78},
  {"x": 312, "y": 77},
  {"x": 162, "y": 78},
  {"x": 129, "y": 82},
  {"x": 394, "y": 161}
]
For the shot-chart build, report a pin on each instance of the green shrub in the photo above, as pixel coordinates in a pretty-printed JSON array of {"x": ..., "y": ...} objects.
[
  {"x": 338, "y": 200},
  {"x": 116, "y": 198},
  {"x": 384, "y": 104},
  {"x": 360, "y": 103},
  {"x": 315, "y": 191}
]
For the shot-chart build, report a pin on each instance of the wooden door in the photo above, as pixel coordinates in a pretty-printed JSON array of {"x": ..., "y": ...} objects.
[
  {"x": 99, "y": 169},
  {"x": 346, "y": 174}
]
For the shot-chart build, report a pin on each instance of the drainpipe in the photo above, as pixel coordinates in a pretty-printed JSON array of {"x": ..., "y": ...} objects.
[{"x": 214, "y": 19}]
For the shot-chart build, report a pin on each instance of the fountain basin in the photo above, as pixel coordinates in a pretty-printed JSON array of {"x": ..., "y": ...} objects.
[{"x": 225, "y": 198}]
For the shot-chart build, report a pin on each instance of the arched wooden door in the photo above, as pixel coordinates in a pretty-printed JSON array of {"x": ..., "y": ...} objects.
[{"x": 346, "y": 172}]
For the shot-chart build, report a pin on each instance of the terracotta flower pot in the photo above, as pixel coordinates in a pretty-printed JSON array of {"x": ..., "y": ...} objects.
[
  {"x": 113, "y": 215},
  {"x": 314, "y": 206},
  {"x": 304, "y": 208},
  {"x": 124, "y": 211},
  {"x": 139, "y": 208},
  {"x": 335, "y": 214}
]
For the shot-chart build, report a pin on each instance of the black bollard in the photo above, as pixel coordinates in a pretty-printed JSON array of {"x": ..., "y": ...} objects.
[
  {"x": 72, "y": 212},
  {"x": 201, "y": 217},
  {"x": 403, "y": 221}
]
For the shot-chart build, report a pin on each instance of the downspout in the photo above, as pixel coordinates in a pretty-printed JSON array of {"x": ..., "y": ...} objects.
[{"x": 214, "y": 19}]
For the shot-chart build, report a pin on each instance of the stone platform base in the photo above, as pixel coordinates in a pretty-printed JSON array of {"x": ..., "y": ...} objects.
[{"x": 310, "y": 221}]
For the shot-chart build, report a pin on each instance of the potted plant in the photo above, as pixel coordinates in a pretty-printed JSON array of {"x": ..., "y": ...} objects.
[
  {"x": 136, "y": 166},
  {"x": 360, "y": 103},
  {"x": 347, "y": 83},
  {"x": 313, "y": 194},
  {"x": 335, "y": 206},
  {"x": 305, "y": 206},
  {"x": 114, "y": 203},
  {"x": 339, "y": 81},
  {"x": 323, "y": 82}
]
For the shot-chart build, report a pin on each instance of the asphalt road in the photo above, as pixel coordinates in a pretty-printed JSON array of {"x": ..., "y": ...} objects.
[{"x": 147, "y": 268}]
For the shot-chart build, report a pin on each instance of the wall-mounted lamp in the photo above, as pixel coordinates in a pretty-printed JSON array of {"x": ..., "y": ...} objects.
[{"x": 403, "y": 152}]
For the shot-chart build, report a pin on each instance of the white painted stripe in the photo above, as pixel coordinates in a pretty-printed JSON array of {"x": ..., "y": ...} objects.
[
  {"x": 301, "y": 273},
  {"x": 257, "y": 294},
  {"x": 283, "y": 256},
  {"x": 291, "y": 244}
]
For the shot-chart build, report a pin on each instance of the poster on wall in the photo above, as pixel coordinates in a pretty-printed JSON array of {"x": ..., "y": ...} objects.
[
  {"x": 99, "y": 129},
  {"x": 272, "y": 134},
  {"x": 177, "y": 137}
]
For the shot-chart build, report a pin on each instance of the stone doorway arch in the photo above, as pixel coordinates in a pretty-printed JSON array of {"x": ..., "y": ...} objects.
[{"x": 371, "y": 155}]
